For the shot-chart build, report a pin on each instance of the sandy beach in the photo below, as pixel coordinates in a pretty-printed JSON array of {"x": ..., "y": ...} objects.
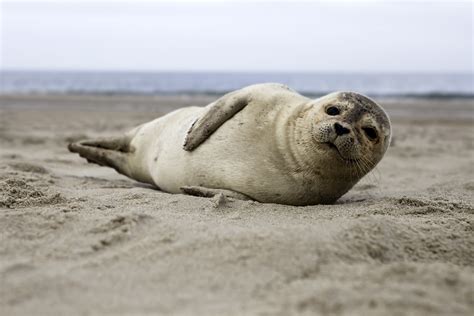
[{"x": 79, "y": 239}]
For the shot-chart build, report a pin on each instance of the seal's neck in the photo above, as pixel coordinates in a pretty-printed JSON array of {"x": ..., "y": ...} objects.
[{"x": 295, "y": 141}]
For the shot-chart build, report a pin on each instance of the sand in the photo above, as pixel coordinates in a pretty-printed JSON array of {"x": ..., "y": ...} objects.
[{"x": 79, "y": 239}]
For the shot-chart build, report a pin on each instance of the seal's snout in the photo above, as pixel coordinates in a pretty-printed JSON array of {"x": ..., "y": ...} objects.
[{"x": 341, "y": 130}]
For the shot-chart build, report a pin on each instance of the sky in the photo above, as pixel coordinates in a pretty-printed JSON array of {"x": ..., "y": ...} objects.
[{"x": 261, "y": 36}]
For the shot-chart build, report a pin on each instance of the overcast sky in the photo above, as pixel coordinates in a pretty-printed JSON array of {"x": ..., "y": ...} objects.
[{"x": 286, "y": 36}]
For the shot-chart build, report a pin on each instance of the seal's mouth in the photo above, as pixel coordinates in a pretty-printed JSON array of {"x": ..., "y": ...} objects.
[{"x": 333, "y": 147}]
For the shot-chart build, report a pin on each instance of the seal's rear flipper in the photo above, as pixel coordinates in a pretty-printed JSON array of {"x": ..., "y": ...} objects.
[
  {"x": 207, "y": 192},
  {"x": 217, "y": 114},
  {"x": 111, "y": 152}
]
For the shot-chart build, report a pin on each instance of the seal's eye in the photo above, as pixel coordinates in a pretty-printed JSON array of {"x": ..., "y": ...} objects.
[
  {"x": 332, "y": 110},
  {"x": 370, "y": 132}
]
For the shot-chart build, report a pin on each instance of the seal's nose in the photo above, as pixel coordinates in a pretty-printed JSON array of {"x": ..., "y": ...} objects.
[{"x": 341, "y": 130}]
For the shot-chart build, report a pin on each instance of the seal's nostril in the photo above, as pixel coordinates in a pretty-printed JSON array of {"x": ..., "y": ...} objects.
[{"x": 341, "y": 130}]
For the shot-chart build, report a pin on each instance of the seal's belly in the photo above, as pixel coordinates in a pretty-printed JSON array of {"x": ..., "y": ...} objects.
[{"x": 241, "y": 156}]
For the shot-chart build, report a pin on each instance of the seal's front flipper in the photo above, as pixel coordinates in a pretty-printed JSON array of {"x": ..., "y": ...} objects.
[
  {"x": 111, "y": 152},
  {"x": 216, "y": 115},
  {"x": 207, "y": 192}
]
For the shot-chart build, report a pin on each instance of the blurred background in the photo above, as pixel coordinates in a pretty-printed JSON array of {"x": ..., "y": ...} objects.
[{"x": 381, "y": 48}]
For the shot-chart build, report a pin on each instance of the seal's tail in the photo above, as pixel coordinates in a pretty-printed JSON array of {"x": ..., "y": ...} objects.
[{"x": 112, "y": 152}]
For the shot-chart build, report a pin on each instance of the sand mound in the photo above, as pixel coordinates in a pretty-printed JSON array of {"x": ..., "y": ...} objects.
[
  {"x": 18, "y": 193},
  {"x": 386, "y": 240}
]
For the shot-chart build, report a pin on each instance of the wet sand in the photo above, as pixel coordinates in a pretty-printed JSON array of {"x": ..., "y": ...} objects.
[{"x": 79, "y": 239}]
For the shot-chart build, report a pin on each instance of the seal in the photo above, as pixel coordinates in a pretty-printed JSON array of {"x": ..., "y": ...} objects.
[{"x": 264, "y": 142}]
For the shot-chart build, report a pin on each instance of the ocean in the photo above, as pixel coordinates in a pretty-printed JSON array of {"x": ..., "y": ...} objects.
[{"x": 384, "y": 84}]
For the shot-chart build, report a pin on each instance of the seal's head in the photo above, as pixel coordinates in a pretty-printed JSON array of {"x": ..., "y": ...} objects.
[{"x": 350, "y": 129}]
